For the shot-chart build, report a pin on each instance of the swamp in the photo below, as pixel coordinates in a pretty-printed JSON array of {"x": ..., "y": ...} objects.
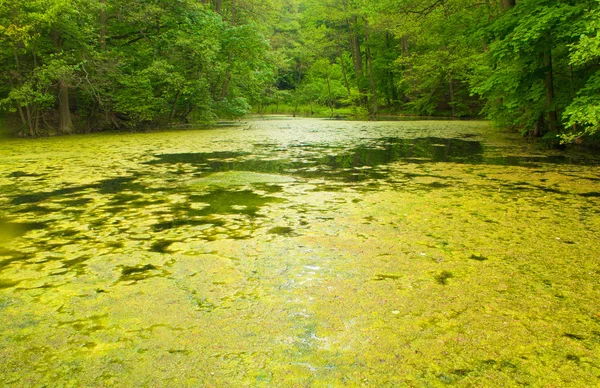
[{"x": 299, "y": 252}]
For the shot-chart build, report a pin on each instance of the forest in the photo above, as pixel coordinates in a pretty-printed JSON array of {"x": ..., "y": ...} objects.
[{"x": 81, "y": 66}]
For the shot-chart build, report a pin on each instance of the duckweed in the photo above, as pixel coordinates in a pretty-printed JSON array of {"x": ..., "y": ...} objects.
[{"x": 301, "y": 253}]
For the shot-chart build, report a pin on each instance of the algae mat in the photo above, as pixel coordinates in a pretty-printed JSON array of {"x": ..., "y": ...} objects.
[{"x": 299, "y": 253}]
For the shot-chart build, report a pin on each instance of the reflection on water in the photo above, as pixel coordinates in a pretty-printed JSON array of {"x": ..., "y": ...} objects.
[
  {"x": 318, "y": 161},
  {"x": 299, "y": 253}
]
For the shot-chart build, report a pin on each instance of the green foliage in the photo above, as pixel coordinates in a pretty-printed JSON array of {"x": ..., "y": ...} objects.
[
  {"x": 234, "y": 109},
  {"x": 528, "y": 82},
  {"x": 131, "y": 63},
  {"x": 127, "y": 63},
  {"x": 583, "y": 114}
]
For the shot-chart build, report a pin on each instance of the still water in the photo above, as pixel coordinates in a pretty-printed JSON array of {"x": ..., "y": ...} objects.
[{"x": 299, "y": 253}]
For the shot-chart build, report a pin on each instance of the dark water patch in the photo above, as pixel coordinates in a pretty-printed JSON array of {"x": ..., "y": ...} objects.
[
  {"x": 573, "y": 336},
  {"x": 10, "y": 230},
  {"x": 22, "y": 174},
  {"x": 64, "y": 233},
  {"x": 116, "y": 209},
  {"x": 426, "y": 149},
  {"x": 115, "y": 245},
  {"x": 36, "y": 209},
  {"x": 45, "y": 195},
  {"x": 355, "y": 165},
  {"x": 442, "y": 277},
  {"x": 437, "y": 185},
  {"x": 87, "y": 325},
  {"x": 107, "y": 186},
  {"x": 381, "y": 277},
  {"x": 505, "y": 364},
  {"x": 593, "y": 194},
  {"x": 76, "y": 202},
  {"x": 536, "y": 161},
  {"x": 574, "y": 358},
  {"x": 478, "y": 257},
  {"x": 461, "y": 372},
  {"x": 329, "y": 188},
  {"x": 45, "y": 286},
  {"x": 77, "y": 264},
  {"x": 526, "y": 186},
  {"x": 6, "y": 283},
  {"x": 142, "y": 272},
  {"x": 200, "y": 158},
  {"x": 282, "y": 231},
  {"x": 144, "y": 203},
  {"x": 270, "y": 189},
  {"x": 161, "y": 246},
  {"x": 9, "y": 256},
  {"x": 119, "y": 184},
  {"x": 179, "y": 222}
]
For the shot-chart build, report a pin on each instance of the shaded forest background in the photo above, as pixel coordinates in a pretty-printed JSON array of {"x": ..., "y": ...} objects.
[{"x": 92, "y": 65}]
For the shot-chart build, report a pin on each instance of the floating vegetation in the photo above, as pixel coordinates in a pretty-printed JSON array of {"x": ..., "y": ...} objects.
[{"x": 370, "y": 251}]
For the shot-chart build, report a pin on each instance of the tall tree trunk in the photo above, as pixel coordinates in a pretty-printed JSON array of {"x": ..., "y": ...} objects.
[
  {"x": 369, "y": 60},
  {"x": 451, "y": 86},
  {"x": 356, "y": 54},
  {"x": 549, "y": 83},
  {"x": 391, "y": 82},
  {"x": 218, "y": 4},
  {"x": 329, "y": 99},
  {"x": 298, "y": 81},
  {"x": 174, "y": 106},
  {"x": 15, "y": 77},
  {"x": 65, "y": 123}
]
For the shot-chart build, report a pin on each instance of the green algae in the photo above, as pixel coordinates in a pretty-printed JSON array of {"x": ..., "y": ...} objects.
[{"x": 302, "y": 253}]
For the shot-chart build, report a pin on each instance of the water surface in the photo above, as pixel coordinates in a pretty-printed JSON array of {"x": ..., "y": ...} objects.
[{"x": 299, "y": 253}]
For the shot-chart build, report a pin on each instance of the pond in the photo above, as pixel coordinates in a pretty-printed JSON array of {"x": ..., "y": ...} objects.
[{"x": 299, "y": 252}]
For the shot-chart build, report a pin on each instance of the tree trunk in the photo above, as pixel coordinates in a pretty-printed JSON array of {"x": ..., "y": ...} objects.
[
  {"x": 549, "y": 83},
  {"x": 371, "y": 77},
  {"x": 330, "y": 100},
  {"x": 391, "y": 82},
  {"x": 451, "y": 85},
  {"x": 65, "y": 123},
  {"x": 174, "y": 106},
  {"x": 218, "y": 4},
  {"x": 356, "y": 54}
]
